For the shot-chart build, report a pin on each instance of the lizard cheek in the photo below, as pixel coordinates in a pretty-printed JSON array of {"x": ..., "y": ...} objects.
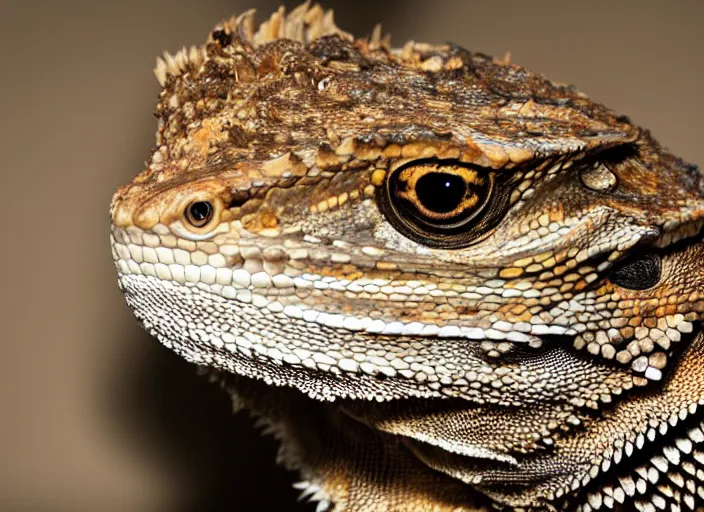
[{"x": 638, "y": 273}]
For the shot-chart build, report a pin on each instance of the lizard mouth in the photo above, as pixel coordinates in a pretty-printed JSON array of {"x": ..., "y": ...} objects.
[{"x": 406, "y": 350}]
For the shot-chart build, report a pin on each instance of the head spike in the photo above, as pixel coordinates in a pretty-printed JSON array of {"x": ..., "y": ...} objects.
[
  {"x": 271, "y": 29},
  {"x": 244, "y": 25},
  {"x": 160, "y": 71}
]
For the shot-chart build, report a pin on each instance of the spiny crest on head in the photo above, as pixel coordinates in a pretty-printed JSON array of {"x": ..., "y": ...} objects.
[{"x": 304, "y": 24}]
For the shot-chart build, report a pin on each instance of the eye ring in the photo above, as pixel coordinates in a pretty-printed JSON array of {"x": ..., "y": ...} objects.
[
  {"x": 443, "y": 204},
  {"x": 199, "y": 214}
]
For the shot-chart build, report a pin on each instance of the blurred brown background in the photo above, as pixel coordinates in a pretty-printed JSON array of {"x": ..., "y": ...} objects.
[{"x": 95, "y": 415}]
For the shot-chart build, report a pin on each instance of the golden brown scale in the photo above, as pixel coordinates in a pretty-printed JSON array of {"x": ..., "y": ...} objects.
[{"x": 444, "y": 282}]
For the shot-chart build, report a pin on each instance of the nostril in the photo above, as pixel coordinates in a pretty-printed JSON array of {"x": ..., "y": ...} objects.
[{"x": 638, "y": 273}]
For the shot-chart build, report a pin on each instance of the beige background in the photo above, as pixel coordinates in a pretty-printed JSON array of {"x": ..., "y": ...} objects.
[{"x": 94, "y": 415}]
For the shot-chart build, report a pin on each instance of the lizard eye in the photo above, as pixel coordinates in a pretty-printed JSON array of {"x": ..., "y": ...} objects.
[
  {"x": 440, "y": 204},
  {"x": 199, "y": 218},
  {"x": 199, "y": 213}
]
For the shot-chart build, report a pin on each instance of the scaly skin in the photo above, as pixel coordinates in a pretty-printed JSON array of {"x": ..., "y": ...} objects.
[{"x": 444, "y": 282}]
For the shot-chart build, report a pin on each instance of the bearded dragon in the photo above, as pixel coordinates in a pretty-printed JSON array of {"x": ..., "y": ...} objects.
[{"x": 443, "y": 281}]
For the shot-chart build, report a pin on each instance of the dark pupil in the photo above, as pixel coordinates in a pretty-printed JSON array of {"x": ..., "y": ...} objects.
[
  {"x": 200, "y": 211},
  {"x": 440, "y": 192}
]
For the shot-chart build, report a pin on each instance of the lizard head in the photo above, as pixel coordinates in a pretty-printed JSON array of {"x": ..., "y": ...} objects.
[{"x": 361, "y": 222}]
